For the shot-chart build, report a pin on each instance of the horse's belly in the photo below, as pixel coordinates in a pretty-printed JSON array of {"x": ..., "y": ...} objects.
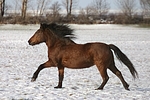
[{"x": 77, "y": 64}]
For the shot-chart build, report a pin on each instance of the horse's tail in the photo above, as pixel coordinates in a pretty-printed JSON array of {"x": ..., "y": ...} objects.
[{"x": 123, "y": 58}]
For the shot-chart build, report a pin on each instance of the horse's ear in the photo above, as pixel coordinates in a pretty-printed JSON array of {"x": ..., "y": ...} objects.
[{"x": 43, "y": 26}]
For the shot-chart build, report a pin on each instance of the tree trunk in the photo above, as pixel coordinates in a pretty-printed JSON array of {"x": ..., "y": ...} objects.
[
  {"x": 2, "y": 6},
  {"x": 67, "y": 6},
  {"x": 42, "y": 7},
  {"x": 24, "y": 8},
  {"x": 70, "y": 8}
]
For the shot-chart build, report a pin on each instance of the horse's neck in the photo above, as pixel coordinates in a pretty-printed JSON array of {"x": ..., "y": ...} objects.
[
  {"x": 57, "y": 47},
  {"x": 50, "y": 40},
  {"x": 57, "y": 42},
  {"x": 53, "y": 40},
  {"x": 69, "y": 42}
]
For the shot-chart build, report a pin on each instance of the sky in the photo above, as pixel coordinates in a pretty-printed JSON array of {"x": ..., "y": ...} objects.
[
  {"x": 84, "y": 3},
  {"x": 113, "y": 4}
]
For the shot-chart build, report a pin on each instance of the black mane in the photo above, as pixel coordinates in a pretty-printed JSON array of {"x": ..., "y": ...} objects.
[{"x": 61, "y": 30}]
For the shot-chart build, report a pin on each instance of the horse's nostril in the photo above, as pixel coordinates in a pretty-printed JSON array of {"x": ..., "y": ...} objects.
[{"x": 29, "y": 41}]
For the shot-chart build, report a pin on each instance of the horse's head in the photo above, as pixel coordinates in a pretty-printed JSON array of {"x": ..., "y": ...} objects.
[
  {"x": 50, "y": 33},
  {"x": 39, "y": 36}
]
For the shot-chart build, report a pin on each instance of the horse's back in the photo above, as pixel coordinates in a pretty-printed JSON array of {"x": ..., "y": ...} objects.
[{"x": 98, "y": 47}]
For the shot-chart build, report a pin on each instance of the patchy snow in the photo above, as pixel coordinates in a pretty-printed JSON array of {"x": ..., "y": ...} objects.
[{"x": 18, "y": 61}]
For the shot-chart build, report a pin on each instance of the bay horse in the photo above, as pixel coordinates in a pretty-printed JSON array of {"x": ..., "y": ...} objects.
[{"x": 64, "y": 52}]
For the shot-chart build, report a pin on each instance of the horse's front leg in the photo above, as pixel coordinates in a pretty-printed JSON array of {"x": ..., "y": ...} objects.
[
  {"x": 61, "y": 76},
  {"x": 42, "y": 66}
]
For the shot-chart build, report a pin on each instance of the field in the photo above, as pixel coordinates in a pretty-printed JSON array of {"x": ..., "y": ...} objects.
[{"x": 18, "y": 61}]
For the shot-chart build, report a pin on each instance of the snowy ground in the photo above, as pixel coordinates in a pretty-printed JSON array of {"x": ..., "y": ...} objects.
[{"x": 18, "y": 61}]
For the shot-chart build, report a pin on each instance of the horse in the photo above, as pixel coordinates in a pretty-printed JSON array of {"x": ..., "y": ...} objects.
[{"x": 63, "y": 53}]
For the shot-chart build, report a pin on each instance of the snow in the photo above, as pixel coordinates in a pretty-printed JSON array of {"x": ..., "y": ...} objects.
[{"x": 18, "y": 61}]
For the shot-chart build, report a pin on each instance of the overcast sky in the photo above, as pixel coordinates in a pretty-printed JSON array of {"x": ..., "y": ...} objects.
[
  {"x": 81, "y": 3},
  {"x": 84, "y": 3}
]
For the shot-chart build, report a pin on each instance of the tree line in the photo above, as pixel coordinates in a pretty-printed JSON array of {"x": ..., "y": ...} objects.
[{"x": 98, "y": 11}]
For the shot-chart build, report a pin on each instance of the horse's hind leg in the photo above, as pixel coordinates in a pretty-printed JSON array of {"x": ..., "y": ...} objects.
[
  {"x": 104, "y": 75},
  {"x": 119, "y": 75}
]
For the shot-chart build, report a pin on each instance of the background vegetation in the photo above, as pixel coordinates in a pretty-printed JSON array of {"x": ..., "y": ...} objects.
[{"x": 98, "y": 11}]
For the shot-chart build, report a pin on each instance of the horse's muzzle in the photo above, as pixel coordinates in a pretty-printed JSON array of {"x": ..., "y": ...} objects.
[{"x": 30, "y": 43}]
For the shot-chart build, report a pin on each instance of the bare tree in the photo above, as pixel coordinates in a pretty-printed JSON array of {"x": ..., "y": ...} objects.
[
  {"x": 146, "y": 6},
  {"x": 70, "y": 8},
  {"x": 101, "y": 7},
  {"x": 128, "y": 7},
  {"x": 89, "y": 10},
  {"x": 24, "y": 8},
  {"x": 65, "y": 3},
  {"x": 42, "y": 5},
  {"x": 69, "y": 5},
  {"x": 2, "y": 7},
  {"x": 82, "y": 14},
  {"x": 55, "y": 8},
  {"x": 16, "y": 6}
]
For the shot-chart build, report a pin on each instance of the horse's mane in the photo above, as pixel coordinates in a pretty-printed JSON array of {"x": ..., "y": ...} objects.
[{"x": 61, "y": 30}]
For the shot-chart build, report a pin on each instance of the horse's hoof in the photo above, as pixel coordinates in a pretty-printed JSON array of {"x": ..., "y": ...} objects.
[
  {"x": 127, "y": 89},
  {"x": 57, "y": 87},
  {"x": 33, "y": 79},
  {"x": 99, "y": 89}
]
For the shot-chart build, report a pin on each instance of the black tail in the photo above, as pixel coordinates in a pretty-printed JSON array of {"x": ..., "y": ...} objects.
[{"x": 123, "y": 58}]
